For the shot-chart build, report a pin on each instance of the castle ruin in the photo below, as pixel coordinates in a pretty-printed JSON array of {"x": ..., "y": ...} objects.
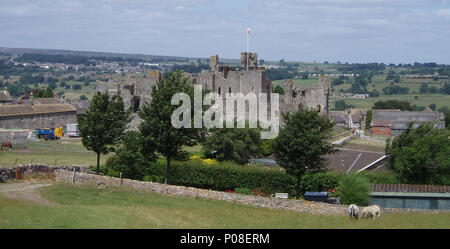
[{"x": 224, "y": 79}]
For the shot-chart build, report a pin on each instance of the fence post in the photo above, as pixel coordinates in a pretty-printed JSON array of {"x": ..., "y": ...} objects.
[
  {"x": 15, "y": 163},
  {"x": 32, "y": 160},
  {"x": 56, "y": 160},
  {"x": 73, "y": 177},
  {"x": 121, "y": 182}
]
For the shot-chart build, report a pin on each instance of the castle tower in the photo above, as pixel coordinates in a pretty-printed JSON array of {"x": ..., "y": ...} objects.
[{"x": 252, "y": 61}]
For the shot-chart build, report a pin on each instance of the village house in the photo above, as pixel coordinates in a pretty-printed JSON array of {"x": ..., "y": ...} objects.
[{"x": 394, "y": 122}]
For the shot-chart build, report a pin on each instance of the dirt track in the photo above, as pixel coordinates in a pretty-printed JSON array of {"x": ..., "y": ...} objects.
[{"x": 24, "y": 191}]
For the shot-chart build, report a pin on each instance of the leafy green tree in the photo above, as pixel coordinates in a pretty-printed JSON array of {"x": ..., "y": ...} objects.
[
  {"x": 374, "y": 93},
  {"x": 130, "y": 158},
  {"x": 393, "y": 104},
  {"x": 368, "y": 119},
  {"x": 302, "y": 142},
  {"x": 83, "y": 97},
  {"x": 233, "y": 144},
  {"x": 103, "y": 126},
  {"x": 423, "y": 88},
  {"x": 157, "y": 129},
  {"x": 354, "y": 189},
  {"x": 340, "y": 105},
  {"x": 279, "y": 89},
  {"x": 421, "y": 156},
  {"x": 446, "y": 88},
  {"x": 432, "y": 106}
]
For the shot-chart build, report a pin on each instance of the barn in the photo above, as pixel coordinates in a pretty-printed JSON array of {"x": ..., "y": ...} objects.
[{"x": 37, "y": 116}]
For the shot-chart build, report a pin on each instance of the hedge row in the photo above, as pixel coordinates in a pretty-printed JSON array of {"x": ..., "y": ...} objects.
[
  {"x": 223, "y": 176},
  {"x": 229, "y": 176}
]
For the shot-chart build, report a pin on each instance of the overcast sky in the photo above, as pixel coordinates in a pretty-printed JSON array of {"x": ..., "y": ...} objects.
[{"x": 389, "y": 31}]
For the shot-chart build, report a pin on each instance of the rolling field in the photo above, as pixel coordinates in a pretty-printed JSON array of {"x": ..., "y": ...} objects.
[{"x": 70, "y": 206}]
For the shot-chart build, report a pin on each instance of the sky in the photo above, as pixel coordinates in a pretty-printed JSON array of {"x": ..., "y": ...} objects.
[{"x": 354, "y": 31}]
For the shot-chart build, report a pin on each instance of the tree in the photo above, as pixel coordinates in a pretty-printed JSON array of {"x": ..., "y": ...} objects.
[
  {"x": 233, "y": 144},
  {"x": 130, "y": 158},
  {"x": 421, "y": 156},
  {"x": 157, "y": 129},
  {"x": 354, "y": 189},
  {"x": 340, "y": 105},
  {"x": 393, "y": 104},
  {"x": 374, "y": 93},
  {"x": 104, "y": 124},
  {"x": 279, "y": 89},
  {"x": 368, "y": 119},
  {"x": 432, "y": 106},
  {"x": 302, "y": 142},
  {"x": 423, "y": 88},
  {"x": 83, "y": 97}
]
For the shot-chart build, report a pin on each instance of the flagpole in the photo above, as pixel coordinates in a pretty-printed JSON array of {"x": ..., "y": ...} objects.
[{"x": 247, "y": 47}]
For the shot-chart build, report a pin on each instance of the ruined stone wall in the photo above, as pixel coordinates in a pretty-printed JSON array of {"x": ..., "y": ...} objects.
[{"x": 315, "y": 97}]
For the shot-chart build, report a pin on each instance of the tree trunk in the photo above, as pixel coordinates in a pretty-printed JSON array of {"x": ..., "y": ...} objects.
[
  {"x": 167, "y": 171},
  {"x": 98, "y": 163}
]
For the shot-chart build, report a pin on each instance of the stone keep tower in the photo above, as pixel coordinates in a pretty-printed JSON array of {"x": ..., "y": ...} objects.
[
  {"x": 213, "y": 62},
  {"x": 252, "y": 61}
]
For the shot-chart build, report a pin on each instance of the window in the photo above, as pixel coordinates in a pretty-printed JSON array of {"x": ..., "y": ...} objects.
[
  {"x": 219, "y": 89},
  {"x": 318, "y": 108},
  {"x": 303, "y": 93},
  {"x": 383, "y": 129},
  {"x": 229, "y": 89}
]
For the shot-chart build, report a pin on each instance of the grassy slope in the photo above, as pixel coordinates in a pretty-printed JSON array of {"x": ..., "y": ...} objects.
[{"x": 88, "y": 207}]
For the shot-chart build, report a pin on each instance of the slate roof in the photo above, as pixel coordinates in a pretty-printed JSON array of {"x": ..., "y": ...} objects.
[
  {"x": 400, "y": 119},
  {"x": 46, "y": 101},
  {"x": 20, "y": 110}
]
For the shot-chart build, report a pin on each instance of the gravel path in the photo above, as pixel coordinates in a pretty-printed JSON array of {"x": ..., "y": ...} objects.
[{"x": 24, "y": 191}]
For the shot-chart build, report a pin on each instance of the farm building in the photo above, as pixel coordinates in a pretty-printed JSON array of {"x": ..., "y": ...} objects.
[
  {"x": 37, "y": 116},
  {"x": 5, "y": 98},
  {"x": 394, "y": 122},
  {"x": 411, "y": 196}
]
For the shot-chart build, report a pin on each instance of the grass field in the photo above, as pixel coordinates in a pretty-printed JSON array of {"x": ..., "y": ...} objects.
[
  {"x": 56, "y": 152},
  {"x": 89, "y": 207}
]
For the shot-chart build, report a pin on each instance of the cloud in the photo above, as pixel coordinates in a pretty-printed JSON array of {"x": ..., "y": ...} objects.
[{"x": 302, "y": 30}]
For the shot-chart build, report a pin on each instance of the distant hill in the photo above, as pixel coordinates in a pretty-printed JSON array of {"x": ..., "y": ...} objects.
[{"x": 21, "y": 51}]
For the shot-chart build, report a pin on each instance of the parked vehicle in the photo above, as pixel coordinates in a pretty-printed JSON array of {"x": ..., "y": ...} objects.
[
  {"x": 50, "y": 133},
  {"x": 72, "y": 130}
]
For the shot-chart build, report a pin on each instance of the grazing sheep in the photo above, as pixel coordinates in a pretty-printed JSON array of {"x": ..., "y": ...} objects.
[
  {"x": 353, "y": 211},
  {"x": 371, "y": 211}
]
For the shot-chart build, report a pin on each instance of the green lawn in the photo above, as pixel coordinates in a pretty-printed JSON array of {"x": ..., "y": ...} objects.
[{"x": 89, "y": 207}]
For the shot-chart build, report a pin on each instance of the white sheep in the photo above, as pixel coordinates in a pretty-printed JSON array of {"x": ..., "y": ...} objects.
[
  {"x": 371, "y": 211},
  {"x": 353, "y": 211}
]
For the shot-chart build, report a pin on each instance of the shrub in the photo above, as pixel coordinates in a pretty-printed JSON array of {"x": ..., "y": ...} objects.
[
  {"x": 354, "y": 189},
  {"x": 225, "y": 176},
  {"x": 319, "y": 182}
]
